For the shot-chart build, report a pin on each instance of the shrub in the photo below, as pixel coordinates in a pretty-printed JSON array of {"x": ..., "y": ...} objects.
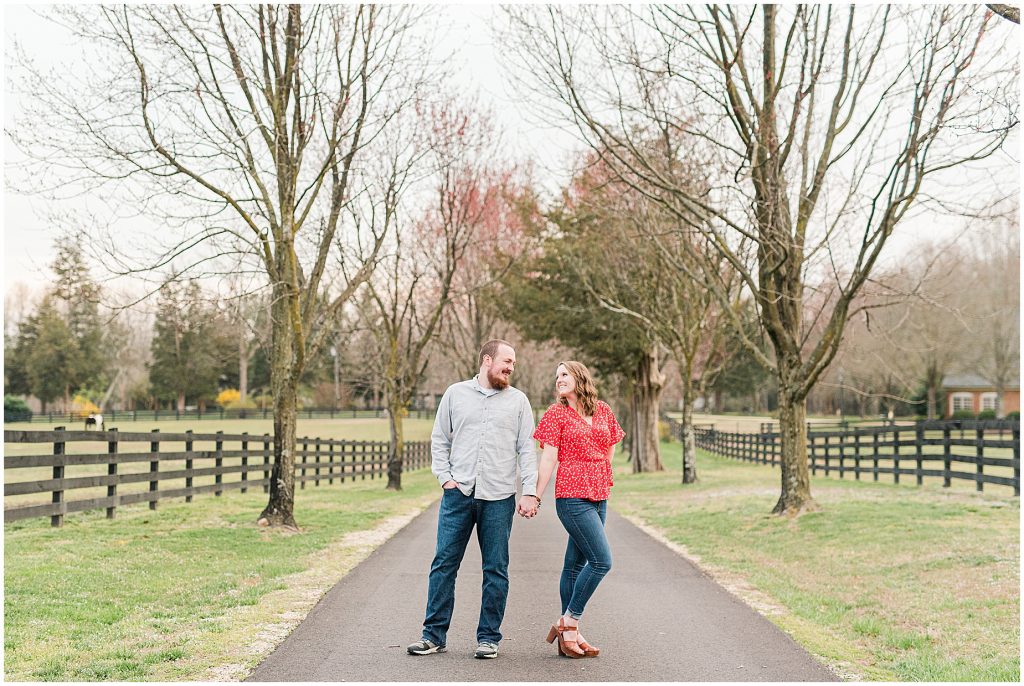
[
  {"x": 15, "y": 410},
  {"x": 1013, "y": 415},
  {"x": 264, "y": 401},
  {"x": 963, "y": 414},
  {"x": 987, "y": 414},
  {"x": 82, "y": 407},
  {"x": 665, "y": 432},
  {"x": 228, "y": 396}
]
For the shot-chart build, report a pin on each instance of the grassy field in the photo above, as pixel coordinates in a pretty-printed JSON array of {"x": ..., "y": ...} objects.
[
  {"x": 887, "y": 582},
  {"x": 189, "y": 592}
]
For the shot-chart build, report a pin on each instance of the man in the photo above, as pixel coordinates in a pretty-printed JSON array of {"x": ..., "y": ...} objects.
[{"x": 482, "y": 425}]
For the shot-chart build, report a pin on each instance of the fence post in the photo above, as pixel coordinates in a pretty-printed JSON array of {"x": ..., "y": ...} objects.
[
  {"x": 947, "y": 457},
  {"x": 218, "y": 462},
  {"x": 189, "y": 463},
  {"x": 316, "y": 481},
  {"x": 112, "y": 472},
  {"x": 330, "y": 470},
  {"x": 919, "y": 448},
  {"x": 154, "y": 466},
  {"x": 266, "y": 462},
  {"x": 841, "y": 442},
  {"x": 979, "y": 443},
  {"x": 874, "y": 469},
  {"x": 302, "y": 471},
  {"x": 1016, "y": 459},
  {"x": 58, "y": 473},
  {"x": 856, "y": 454},
  {"x": 245, "y": 459},
  {"x": 812, "y": 451},
  {"x": 896, "y": 455},
  {"x": 362, "y": 459}
]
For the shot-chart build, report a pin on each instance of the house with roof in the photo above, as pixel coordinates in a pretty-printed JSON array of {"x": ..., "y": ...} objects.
[{"x": 973, "y": 393}]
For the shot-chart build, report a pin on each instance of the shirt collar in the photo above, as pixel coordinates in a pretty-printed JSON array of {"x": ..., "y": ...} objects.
[{"x": 486, "y": 391}]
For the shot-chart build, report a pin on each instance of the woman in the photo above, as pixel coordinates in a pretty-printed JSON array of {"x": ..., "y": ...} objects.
[{"x": 579, "y": 433}]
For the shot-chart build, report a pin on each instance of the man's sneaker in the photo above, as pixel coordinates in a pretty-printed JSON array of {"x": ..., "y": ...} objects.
[
  {"x": 425, "y": 647},
  {"x": 486, "y": 650}
]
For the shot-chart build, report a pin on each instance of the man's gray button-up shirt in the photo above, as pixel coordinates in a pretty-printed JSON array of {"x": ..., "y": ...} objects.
[{"x": 478, "y": 435}]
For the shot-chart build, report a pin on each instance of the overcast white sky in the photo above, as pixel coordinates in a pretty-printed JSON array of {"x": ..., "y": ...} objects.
[{"x": 28, "y": 235}]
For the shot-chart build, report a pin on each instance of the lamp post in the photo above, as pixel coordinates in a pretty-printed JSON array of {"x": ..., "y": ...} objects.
[{"x": 337, "y": 392}]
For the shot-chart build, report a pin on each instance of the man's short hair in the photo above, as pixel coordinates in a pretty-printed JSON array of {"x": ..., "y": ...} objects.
[{"x": 491, "y": 348}]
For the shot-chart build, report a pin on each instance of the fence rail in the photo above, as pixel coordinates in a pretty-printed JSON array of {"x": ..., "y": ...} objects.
[
  {"x": 215, "y": 413},
  {"x": 188, "y": 464},
  {"x": 935, "y": 449}
]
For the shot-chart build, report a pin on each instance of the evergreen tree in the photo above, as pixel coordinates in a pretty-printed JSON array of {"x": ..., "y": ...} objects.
[
  {"x": 50, "y": 352},
  {"x": 191, "y": 346},
  {"x": 61, "y": 347}
]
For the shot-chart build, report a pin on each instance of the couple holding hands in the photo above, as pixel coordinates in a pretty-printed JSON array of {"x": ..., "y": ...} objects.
[{"x": 482, "y": 425}]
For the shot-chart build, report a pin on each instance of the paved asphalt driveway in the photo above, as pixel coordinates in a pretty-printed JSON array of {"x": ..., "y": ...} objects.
[{"x": 655, "y": 618}]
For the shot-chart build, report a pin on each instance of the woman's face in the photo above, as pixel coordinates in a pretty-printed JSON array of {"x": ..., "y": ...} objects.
[{"x": 565, "y": 383}]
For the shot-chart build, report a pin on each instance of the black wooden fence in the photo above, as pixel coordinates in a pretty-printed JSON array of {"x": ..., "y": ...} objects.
[
  {"x": 940, "y": 449},
  {"x": 216, "y": 413},
  {"x": 170, "y": 465}
]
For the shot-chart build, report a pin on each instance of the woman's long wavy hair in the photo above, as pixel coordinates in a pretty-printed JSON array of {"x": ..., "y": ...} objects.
[{"x": 586, "y": 390}]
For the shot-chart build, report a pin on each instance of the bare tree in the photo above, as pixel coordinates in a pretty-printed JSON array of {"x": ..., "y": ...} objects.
[
  {"x": 995, "y": 303},
  {"x": 240, "y": 125},
  {"x": 820, "y": 126},
  {"x": 650, "y": 277},
  {"x": 425, "y": 253},
  {"x": 506, "y": 202}
]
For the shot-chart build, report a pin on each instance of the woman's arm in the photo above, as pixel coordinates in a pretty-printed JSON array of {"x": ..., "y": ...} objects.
[{"x": 546, "y": 468}]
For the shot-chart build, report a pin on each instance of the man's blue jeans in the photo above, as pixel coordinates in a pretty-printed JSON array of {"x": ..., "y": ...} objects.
[
  {"x": 455, "y": 521},
  {"x": 588, "y": 556}
]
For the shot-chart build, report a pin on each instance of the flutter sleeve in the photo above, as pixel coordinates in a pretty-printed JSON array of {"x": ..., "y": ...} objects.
[
  {"x": 549, "y": 429},
  {"x": 615, "y": 431}
]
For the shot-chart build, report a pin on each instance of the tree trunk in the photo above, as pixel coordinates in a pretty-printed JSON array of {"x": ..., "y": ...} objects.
[
  {"x": 645, "y": 451},
  {"x": 689, "y": 443},
  {"x": 796, "y": 481},
  {"x": 280, "y": 508},
  {"x": 396, "y": 448},
  {"x": 181, "y": 402}
]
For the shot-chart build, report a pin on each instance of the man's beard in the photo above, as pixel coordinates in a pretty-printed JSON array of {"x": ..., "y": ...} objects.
[{"x": 497, "y": 380}]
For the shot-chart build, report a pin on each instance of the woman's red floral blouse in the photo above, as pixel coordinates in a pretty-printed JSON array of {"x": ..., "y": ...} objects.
[{"x": 583, "y": 467}]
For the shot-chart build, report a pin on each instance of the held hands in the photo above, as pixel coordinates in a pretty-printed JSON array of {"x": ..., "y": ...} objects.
[{"x": 528, "y": 506}]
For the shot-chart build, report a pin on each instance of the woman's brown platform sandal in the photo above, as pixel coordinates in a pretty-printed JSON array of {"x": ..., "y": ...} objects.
[
  {"x": 566, "y": 647},
  {"x": 588, "y": 650}
]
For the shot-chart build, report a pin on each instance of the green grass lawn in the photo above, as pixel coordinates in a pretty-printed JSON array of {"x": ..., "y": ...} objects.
[
  {"x": 887, "y": 582},
  {"x": 189, "y": 592}
]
